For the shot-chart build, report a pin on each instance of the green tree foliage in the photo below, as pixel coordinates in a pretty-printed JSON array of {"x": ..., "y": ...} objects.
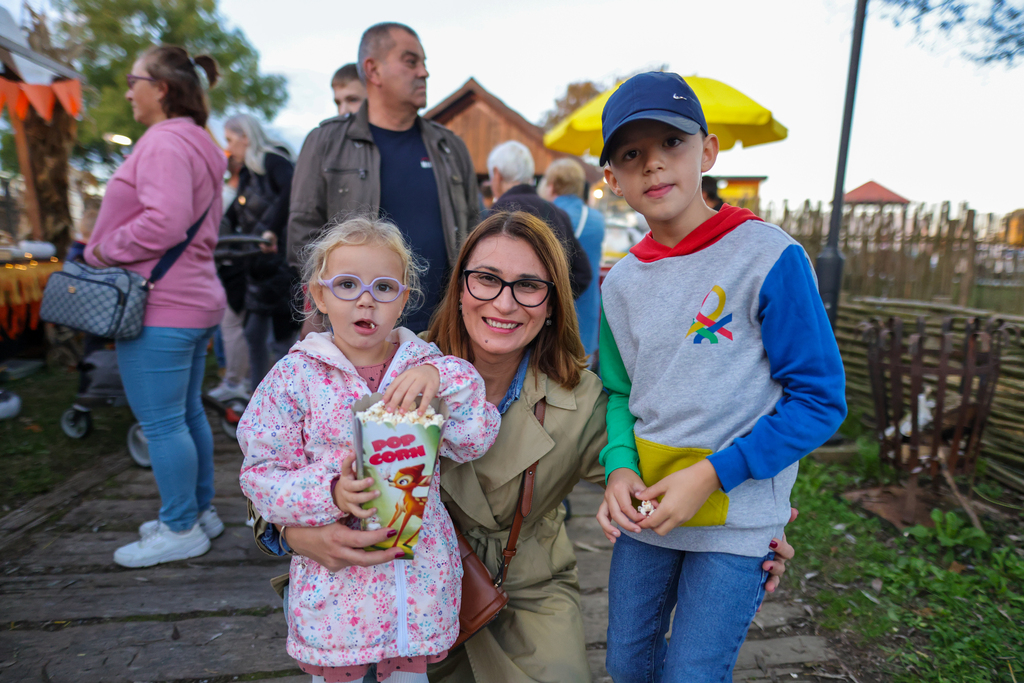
[
  {"x": 114, "y": 32},
  {"x": 991, "y": 31},
  {"x": 576, "y": 95}
]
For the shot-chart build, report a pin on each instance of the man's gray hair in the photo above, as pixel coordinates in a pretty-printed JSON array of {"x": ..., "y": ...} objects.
[
  {"x": 377, "y": 41},
  {"x": 513, "y": 160}
]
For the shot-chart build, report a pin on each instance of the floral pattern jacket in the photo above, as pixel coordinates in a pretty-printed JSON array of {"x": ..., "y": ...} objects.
[{"x": 295, "y": 433}]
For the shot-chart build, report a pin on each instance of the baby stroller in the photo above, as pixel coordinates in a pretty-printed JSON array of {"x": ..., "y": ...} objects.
[{"x": 99, "y": 386}]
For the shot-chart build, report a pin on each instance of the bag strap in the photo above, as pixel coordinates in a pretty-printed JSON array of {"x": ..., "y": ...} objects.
[
  {"x": 168, "y": 259},
  {"x": 583, "y": 220},
  {"x": 523, "y": 507}
]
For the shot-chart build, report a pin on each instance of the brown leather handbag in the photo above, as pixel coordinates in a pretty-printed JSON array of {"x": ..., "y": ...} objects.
[{"x": 482, "y": 595}]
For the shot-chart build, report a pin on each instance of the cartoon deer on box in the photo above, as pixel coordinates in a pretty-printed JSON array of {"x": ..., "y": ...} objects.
[{"x": 407, "y": 480}]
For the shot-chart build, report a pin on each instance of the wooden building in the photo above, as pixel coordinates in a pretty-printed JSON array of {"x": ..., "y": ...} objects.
[{"x": 483, "y": 122}]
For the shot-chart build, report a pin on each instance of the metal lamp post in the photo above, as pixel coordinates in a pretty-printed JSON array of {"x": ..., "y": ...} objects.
[{"x": 829, "y": 266}]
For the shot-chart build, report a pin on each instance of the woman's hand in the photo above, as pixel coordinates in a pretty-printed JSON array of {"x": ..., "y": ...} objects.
[
  {"x": 98, "y": 255},
  {"x": 783, "y": 553},
  {"x": 269, "y": 248},
  {"x": 401, "y": 394},
  {"x": 617, "y": 506},
  {"x": 350, "y": 493},
  {"x": 335, "y": 546}
]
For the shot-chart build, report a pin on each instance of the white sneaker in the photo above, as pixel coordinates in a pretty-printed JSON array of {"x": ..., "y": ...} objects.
[
  {"x": 226, "y": 391},
  {"x": 209, "y": 522},
  {"x": 163, "y": 545}
]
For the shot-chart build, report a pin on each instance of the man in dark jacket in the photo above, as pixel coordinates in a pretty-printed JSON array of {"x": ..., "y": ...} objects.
[
  {"x": 386, "y": 160},
  {"x": 510, "y": 166}
]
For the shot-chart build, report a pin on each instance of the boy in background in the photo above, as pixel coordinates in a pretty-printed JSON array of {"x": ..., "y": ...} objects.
[
  {"x": 722, "y": 372},
  {"x": 349, "y": 91}
]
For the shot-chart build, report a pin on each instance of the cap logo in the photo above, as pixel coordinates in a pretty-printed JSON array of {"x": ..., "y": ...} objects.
[{"x": 678, "y": 97}]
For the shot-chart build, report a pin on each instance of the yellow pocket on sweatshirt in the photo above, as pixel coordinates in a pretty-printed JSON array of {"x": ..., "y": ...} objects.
[{"x": 658, "y": 461}]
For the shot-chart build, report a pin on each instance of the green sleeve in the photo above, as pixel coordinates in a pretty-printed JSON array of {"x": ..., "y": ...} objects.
[{"x": 621, "y": 448}]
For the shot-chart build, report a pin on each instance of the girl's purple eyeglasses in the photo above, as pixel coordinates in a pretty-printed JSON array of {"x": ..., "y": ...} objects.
[{"x": 346, "y": 287}]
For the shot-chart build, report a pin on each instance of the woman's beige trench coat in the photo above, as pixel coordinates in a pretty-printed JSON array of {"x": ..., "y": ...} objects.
[{"x": 539, "y": 636}]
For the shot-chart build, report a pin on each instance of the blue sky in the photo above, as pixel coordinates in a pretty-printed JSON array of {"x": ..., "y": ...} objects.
[{"x": 927, "y": 124}]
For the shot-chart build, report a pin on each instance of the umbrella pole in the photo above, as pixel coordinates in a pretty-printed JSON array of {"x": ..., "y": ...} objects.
[{"x": 829, "y": 266}]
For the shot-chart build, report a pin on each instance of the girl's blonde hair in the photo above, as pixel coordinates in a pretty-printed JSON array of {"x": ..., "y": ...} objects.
[{"x": 357, "y": 231}]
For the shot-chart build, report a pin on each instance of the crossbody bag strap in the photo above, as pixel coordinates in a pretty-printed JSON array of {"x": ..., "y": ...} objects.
[
  {"x": 168, "y": 259},
  {"x": 523, "y": 506},
  {"x": 583, "y": 220}
]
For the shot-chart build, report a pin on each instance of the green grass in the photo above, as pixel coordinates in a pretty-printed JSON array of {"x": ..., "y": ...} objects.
[
  {"x": 943, "y": 604},
  {"x": 35, "y": 453}
]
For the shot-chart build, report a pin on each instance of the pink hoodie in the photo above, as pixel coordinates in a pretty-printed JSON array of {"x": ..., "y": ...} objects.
[{"x": 174, "y": 173}]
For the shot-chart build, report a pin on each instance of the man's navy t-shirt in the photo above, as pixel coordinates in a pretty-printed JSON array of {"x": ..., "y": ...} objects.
[{"x": 408, "y": 196}]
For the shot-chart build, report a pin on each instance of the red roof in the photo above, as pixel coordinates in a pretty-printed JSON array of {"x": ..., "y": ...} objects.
[{"x": 873, "y": 193}]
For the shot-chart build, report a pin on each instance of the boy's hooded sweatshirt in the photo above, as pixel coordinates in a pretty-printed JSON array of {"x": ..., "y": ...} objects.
[
  {"x": 720, "y": 348},
  {"x": 295, "y": 433}
]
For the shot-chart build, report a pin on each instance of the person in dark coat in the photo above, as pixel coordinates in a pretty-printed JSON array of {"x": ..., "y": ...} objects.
[
  {"x": 510, "y": 166},
  {"x": 261, "y": 209}
]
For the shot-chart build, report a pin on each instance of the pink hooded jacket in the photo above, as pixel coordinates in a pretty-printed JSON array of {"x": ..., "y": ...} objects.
[
  {"x": 174, "y": 174},
  {"x": 295, "y": 432}
]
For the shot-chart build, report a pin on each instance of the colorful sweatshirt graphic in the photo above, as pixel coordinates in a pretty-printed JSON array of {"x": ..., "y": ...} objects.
[{"x": 728, "y": 355}]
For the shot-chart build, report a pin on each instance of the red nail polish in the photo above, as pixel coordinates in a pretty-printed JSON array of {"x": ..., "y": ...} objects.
[
  {"x": 391, "y": 533},
  {"x": 773, "y": 545}
]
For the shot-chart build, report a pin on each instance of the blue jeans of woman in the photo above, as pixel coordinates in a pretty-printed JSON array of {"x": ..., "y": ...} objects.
[
  {"x": 715, "y": 595},
  {"x": 162, "y": 371}
]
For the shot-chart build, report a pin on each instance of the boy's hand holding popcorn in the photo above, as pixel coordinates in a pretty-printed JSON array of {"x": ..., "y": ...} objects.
[
  {"x": 684, "y": 493},
  {"x": 617, "y": 507},
  {"x": 350, "y": 493},
  {"x": 402, "y": 393}
]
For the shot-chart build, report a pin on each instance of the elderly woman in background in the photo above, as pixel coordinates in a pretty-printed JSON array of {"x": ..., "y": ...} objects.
[
  {"x": 167, "y": 194},
  {"x": 260, "y": 209},
  {"x": 510, "y": 168},
  {"x": 508, "y": 309},
  {"x": 564, "y": 185}
]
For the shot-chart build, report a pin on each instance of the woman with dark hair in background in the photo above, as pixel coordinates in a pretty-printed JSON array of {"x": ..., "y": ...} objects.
[
  {"x": 261, "y": 209},
  {"x": 167, "y": 194}
]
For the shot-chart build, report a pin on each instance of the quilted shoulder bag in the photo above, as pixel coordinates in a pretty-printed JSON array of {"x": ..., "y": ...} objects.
[
  {"x": 107, "y": 302},
  {"x": 482, "y": 595}
]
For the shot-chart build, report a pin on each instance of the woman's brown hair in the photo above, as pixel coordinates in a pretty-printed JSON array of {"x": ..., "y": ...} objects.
[
  {"x": 172, "y": 66},
  {"x": 557, "y": 349}
]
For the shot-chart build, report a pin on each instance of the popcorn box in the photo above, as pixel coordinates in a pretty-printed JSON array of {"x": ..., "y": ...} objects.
[{"x": 400, "y": 453}]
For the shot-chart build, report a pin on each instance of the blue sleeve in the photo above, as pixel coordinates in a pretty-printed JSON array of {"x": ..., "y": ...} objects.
[
  {"x": 804, "y": 359},
  {"x": 274, "y": 541}
]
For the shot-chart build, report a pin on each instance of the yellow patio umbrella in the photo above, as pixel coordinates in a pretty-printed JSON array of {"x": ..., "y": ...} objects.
[{"x": 730, "y": 115}]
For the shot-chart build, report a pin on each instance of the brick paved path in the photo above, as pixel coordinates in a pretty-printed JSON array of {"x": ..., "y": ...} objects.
[{"x": 70, "y": 614}]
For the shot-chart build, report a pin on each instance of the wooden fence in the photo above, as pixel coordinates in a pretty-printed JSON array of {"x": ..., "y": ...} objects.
[
  {"x": 918, "y": 252},
  {"x": 1003, "y": 441}
]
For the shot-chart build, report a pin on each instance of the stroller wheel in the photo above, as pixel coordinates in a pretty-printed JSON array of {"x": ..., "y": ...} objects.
[
  {"x": 233, "y": 413},
  {"x": 76, "y": 423},
  {"x": 138, "y": 447}
]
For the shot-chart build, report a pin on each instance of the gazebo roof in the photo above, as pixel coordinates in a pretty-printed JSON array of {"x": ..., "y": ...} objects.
[{"x": 873, "y": 193}]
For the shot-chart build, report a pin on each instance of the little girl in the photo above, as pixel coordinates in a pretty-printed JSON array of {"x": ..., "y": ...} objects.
[{"x": 297, "y": 439}]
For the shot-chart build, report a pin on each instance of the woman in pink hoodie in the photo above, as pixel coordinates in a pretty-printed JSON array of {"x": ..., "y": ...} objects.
[{"x": 171, "y": 181}]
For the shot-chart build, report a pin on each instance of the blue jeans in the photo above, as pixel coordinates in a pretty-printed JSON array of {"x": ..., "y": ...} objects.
[
  {"x": 162, "y": 371},
  {"x": 715, "y": 595}
]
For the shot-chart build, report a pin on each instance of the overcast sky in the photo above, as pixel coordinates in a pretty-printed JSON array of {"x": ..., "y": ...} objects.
[{"x": 927, "y": 123}]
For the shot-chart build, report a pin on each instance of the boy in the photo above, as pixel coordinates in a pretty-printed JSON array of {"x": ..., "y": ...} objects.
[
  {"x": 722, "y": 372},
  {"x": 349, "y": 91}
]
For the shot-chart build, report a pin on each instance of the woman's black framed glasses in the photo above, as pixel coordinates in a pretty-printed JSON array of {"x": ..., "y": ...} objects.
[
  {"x": 133, "y": 79},
  {"x": 528, "y": 292}
]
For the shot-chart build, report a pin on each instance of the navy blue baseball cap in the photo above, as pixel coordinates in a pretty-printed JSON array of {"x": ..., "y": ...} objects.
[{"x": 655, "y": 96}]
